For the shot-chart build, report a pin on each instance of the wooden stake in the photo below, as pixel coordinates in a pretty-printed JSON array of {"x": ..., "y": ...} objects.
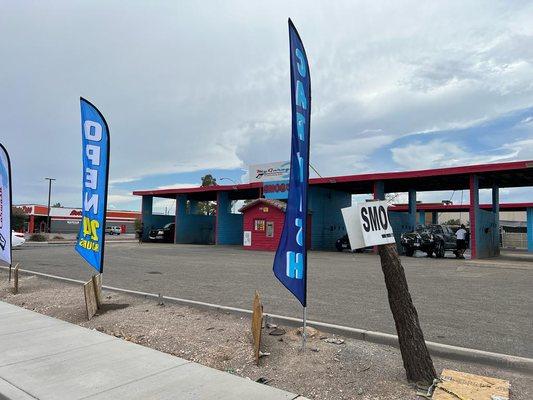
[
  {"x": 257, "y": 323},
  {"x": 16, "y": 279},
  {"x": 97, "y": 285},
  {"x": 89, "y": 292}
]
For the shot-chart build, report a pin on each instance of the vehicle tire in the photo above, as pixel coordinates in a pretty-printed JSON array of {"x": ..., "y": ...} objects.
[
  {"x": 409, "y": 252},
  {"x": 339, "y": 248},
  {"x": 439, "y": 250}
]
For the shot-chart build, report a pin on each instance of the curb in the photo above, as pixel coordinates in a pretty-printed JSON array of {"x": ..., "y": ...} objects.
[
  {"x": 31, "y": 244},
  {"x": 509, "y": 362}
]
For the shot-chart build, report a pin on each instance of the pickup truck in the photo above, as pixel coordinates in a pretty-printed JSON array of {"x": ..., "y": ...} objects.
[{"x": 431, "y": 239}]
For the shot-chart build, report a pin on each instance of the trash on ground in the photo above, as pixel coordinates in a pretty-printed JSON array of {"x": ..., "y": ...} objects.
[
  {"x": 334, "y": 340},
  {"x": 277, "y": 332},
  {"x": 263, "y": 380},
  {"x": 310, "y": 332}
]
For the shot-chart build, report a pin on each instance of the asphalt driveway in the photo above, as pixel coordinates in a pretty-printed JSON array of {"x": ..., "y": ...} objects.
[{"x": 481, "y": 304}]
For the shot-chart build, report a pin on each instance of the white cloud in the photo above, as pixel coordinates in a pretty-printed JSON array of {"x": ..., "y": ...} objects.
[
  {"x": 438, "y": 153},
  {"x": 207, "y": 86},
  {"x": 179, "y": 186},
  {"x": 523, "y": 149}
]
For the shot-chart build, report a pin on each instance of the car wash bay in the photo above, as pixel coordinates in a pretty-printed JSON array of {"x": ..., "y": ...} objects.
[{"x": 328, "y": 195}]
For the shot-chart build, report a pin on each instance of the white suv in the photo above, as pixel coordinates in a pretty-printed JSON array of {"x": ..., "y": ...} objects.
[{"x": 113, "y": 230}]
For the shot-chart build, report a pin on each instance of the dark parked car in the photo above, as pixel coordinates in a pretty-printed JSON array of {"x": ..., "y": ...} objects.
[
  {"x": 431, "y": 239},
  {"x": 343, "y": 243},
  {"x": 164, "y": 234}
]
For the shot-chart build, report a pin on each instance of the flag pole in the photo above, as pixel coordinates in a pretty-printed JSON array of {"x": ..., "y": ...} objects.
[{"x": 304, "y": 330}]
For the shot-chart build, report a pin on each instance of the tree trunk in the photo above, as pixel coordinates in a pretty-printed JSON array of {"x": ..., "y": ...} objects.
[{"x": 416, "y": 359}]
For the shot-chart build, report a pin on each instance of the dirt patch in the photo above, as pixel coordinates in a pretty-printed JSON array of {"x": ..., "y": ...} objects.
[{"x": 349, "y": 370}]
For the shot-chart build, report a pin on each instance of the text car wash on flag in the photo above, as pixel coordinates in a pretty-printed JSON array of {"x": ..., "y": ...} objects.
[
  {"x": 95, "y": 156},
  {"x": 290, "y": 261}
]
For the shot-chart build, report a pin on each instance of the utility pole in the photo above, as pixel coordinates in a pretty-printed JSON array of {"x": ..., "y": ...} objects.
[{"x": 49, "y": 196}]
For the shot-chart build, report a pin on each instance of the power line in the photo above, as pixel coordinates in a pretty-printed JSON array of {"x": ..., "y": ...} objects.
[{"x": 314, "y": 169}]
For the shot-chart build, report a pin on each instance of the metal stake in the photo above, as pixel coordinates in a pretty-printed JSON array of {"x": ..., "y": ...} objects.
[{"x": 304, "y": 331}]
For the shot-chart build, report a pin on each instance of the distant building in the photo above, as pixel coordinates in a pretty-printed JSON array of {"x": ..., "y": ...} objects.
[{"x": 67, "y": 220}]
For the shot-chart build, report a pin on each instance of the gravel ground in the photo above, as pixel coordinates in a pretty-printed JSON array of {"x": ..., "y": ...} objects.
[
  {"x": 480, "y": 304},
  {"x": 352, "y": 370}
]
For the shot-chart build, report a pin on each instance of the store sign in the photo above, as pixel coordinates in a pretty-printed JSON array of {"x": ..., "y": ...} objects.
[
  {"x": 95, "y": 157},
  {"x": 276, "y": 190},
  {"x": 5, "y": 206},
  {"x": 368, "y": 224},
  {"x": 276, "y": 171},
  {"x": 290, "y": 261}
]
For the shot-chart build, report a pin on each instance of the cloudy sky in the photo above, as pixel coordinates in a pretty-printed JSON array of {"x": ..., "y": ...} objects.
[{"x": 190, "y": 88}]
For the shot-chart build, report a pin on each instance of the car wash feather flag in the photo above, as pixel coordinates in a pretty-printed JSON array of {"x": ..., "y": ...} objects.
[
  {"x": 290, "y": 261},
  {"x": 5, "y": 206},
  {"x": 95, "y": 156}
]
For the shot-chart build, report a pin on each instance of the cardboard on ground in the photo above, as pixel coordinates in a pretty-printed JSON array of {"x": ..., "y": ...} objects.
[
  {"x": 460, "y": 385},
  {"x": 358, "y": 236}
]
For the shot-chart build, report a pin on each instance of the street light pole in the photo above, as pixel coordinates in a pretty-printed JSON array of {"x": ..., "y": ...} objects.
[{"x": 49, "y": 196}]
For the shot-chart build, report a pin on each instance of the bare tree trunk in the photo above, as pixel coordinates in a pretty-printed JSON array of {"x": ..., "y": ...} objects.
[{"x": 416, "y": 359}]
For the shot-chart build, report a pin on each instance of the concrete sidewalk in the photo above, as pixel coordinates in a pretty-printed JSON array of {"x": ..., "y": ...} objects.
[{"x": 45, "y": 358}]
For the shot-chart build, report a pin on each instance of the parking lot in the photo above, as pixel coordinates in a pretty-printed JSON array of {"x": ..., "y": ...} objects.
[{"x": 482, "y": 304}]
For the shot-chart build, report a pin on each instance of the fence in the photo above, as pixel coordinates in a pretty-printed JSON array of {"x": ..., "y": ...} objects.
[{"x": 514, "y": 240}]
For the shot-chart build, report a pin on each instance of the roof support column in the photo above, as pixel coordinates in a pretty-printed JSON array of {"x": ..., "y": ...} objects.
[
  {"x": 379, "y": 194},
  {"x": 194, "y": 206},
  {"x": 496, "y": 214},
  {"x": 379, "y": 190},
  {"x": 530, "y": 229},
  {"x": 228, "y": 226},
  {"x": 412, "y": 209},
  {"x": 146, "y": 214},
  {"x": 31, "y": 224},
  {"x": 180, "y": 233},
  {"x": 222, "y": 210},
  {"x": 474, "y": 214},
  {"x": 434, "y": 217}
]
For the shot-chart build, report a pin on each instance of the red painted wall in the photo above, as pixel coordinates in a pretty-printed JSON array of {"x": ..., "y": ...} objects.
[{"x": 259, "y": 239}]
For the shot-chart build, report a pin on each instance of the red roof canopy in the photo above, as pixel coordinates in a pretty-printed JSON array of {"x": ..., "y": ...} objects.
[{"x": 510, "y": 174}]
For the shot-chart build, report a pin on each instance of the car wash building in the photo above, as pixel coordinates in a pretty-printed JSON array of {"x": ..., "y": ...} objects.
[
  {"x": 327, "y": 196},
  {"x": 67, "y": 220}
]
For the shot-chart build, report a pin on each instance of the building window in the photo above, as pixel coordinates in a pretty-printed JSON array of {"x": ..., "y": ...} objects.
[
  {"x": 270, "y": 229},
  {"x": 259, "y": 225}
]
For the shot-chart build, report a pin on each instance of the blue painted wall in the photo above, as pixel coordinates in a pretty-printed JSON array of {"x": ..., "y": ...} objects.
[
  {"x": 150, "y": 220},
  {"x": 229, "y": 226},
  {"x": 487, "y": 246},
  {"x": 412, "y": 208},
  {"x": 530, "y": 229},
  {"x": 327, "y": 224},
  {"x": 192, "y": 228}
]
